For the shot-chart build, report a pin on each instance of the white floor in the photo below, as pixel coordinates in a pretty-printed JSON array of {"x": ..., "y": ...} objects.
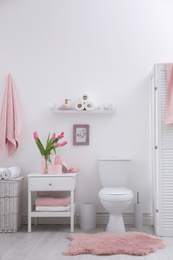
[{"x": 47, "y": 242}]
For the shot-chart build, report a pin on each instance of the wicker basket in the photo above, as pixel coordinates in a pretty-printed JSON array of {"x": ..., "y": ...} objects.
[{"x": 10, "y": 204}]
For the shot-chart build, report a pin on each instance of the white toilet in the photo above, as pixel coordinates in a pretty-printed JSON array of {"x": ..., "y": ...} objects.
[{"x": 115, "y": 197}]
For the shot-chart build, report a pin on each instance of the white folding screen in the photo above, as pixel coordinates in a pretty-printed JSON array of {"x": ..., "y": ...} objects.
[{"x": 162, "y": 155}]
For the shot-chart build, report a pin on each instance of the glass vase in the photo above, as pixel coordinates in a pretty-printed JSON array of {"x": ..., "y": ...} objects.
[{"x": 48, "y": 160}]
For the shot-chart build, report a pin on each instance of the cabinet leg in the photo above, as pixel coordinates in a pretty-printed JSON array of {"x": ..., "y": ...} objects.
[
  {"x": 72, "y": 223},
  {"x": 29, "y": 224},
  {"x": 29, "y": 211},
  {"x": 75, "y": 219}
]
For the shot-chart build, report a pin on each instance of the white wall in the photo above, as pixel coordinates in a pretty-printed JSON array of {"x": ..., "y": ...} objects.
[{"x": 62, "y": 49}]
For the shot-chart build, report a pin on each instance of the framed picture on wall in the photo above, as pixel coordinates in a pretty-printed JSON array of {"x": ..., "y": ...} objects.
[{"x": 80, "y": 134}]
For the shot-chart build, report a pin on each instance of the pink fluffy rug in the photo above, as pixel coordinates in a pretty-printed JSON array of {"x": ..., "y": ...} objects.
[{"x": 132, "y": 243}]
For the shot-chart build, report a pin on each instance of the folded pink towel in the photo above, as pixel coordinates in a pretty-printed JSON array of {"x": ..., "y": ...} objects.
[
  {"x": 9, "y": 119},
  {"x": 169, "y": 101},
  {"x": 52, "y": 202}
]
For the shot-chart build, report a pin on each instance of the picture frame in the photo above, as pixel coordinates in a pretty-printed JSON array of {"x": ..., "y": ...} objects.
[{"x": 80, "y": 134}]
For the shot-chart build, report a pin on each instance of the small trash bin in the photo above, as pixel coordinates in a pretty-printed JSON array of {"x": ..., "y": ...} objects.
[{"x": 87, "y": 213}]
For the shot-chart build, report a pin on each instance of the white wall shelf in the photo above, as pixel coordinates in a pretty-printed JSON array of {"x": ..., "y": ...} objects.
[{"x": 74, "y": 111}]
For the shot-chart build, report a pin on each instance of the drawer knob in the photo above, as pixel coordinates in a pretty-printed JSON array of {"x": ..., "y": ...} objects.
[{"x": 50, "y": 184}]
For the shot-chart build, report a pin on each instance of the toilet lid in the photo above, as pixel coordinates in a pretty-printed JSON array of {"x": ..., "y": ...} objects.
[{"x": 116, "y": 191}]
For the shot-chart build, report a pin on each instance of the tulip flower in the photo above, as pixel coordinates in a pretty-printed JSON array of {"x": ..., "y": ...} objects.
[
  {"x": 64, "y": 143},
  {"x": 53, "y": 136},
  {"x": 57, "y": 144},
  {"x": 61, "y": 135},
  {"x": 35, "y": 135}
]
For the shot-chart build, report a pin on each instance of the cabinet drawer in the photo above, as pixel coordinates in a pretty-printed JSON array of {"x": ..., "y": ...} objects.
[{"x": 50, "y": 184}]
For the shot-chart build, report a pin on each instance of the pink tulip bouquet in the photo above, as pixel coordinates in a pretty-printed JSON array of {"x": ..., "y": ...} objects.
[{"x": 51, "y": 144}]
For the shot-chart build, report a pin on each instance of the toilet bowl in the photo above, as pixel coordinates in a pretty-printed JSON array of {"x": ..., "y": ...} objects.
[
  {"x": 115, "y": 201},
  {"x": 115, "y": 196}
]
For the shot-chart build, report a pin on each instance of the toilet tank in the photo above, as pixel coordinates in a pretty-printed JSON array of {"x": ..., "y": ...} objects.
[{"x": 114, "y": 171}]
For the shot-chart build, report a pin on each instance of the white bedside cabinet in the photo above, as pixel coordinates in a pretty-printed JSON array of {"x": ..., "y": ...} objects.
[{"x": 49, "y": 182}]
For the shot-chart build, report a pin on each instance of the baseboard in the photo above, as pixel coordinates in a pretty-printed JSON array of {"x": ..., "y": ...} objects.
[{"x": 102, "y": 218}]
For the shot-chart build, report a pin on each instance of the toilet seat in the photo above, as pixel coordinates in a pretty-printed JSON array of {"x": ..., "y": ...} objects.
[{"x": 115, "y": 194}]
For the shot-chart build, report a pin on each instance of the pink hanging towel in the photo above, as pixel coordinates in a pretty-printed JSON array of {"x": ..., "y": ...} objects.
[
  {"x": 169, "y": 101},
  {"x": 9, "y": 119}
]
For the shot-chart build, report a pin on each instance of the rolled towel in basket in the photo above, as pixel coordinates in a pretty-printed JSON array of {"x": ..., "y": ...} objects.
[
  {"x": 11, "y": 173},
  {"x": 1, "y": 171}
]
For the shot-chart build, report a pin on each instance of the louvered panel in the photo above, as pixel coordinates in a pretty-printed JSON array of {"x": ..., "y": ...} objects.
[
  {"x": 162, "y": 156},
  {"x": 167, "y": 189},
  {"x": 166, "y": 130},
  {"x": 152, "y": 104},
  {"x": 166, "y": 194}
]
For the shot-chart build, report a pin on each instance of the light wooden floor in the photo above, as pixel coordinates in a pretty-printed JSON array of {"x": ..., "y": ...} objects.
[{"x": 47, "y": 242}]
